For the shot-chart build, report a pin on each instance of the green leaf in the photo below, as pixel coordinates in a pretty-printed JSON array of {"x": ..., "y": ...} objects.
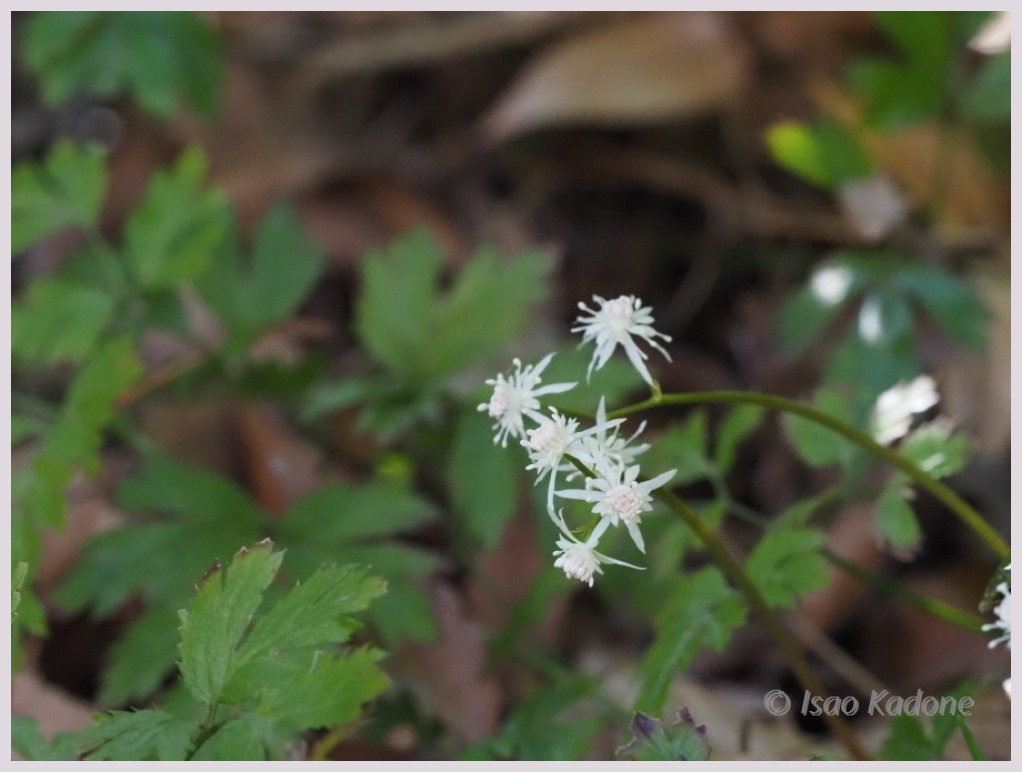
[
  {"x": 74, "y": 439},
  {"x": 28, "y": 743},
  {"x": 310, "y": 615},
  {"x": 701, "y": 611},
  {"x": 895, "y": 522},
  {"x": 219, "y": 616},
  {"x": 139, "y": 660},
  {"x": 935, "y": 449},
  {"x": 160, "y": 58},
  {"x": 173, "y": 233},
  {"x": 66, "y": 190},
  {"x": 815, "y": 444},
  {"x": 162, "y": 559},
  {"x": 59, "y": 320},
  {"x": 489, "y": 304},
  {"x": 787, "y": 563},
  {"x": 419, "y": 333},
  {"x": 824, "y": 153},
  {"x": 144, "y": 735},
  {"x": 283, "y": 268},
  {"x": 655, "y": 741},
  {"x": 951, "y": 303},
  {"x": 344, "y": 513},
  {"x": 740, "y": 421},
  {"x": 393, "y": 308},
  {"x": 482, "y": 478},
  {"x": 310, "y": 690},
  {"x": 247, "y": 737}
]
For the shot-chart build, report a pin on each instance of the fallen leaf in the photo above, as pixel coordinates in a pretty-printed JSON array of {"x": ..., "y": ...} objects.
[{"x": 662, "y": 66}]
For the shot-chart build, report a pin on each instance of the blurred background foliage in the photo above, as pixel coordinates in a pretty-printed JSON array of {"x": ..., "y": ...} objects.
[{"x": 263, "y": 263}]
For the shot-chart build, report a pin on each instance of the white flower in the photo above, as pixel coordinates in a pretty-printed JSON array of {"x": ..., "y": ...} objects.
[
  {"x": 894, "y": 408},
  {"x": 618, "y": 499},
  {"x": 615, "y": 322},
  {"x": 610, "y": 448},
  {"x": 1003, "y": 613},
  {"x": 515, "y": 397},
  {"x": 580, "y": 560},
  {"x": 549, "y": 442}
]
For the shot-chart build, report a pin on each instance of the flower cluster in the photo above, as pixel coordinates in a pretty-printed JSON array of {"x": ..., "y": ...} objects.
[{"x": 601, "y": 459}]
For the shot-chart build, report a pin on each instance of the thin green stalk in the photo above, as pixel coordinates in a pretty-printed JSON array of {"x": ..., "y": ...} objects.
[
  {"x": 785, "y": 641},
  {"x": 937, "y": 608},
  {"x": 331, "y": 740},
  {"x": 938, "y": 490},
  {"x": 970, "y": 741}
]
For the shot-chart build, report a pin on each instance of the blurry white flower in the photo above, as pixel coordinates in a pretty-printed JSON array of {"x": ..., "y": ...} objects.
[
  {"x": 580, "y": 560},
  {"x": 618, "y": 499},
  {"x": 516, "y": 397},
  {"x": 1003, "y": 613},
  {"x": 549, "y": 442},
  {"x": 894, "y": 408},
  {"x": 615, "y": 322}
]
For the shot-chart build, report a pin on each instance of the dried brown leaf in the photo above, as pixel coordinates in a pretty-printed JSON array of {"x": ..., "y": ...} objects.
[{"x": 661, "y": 66}]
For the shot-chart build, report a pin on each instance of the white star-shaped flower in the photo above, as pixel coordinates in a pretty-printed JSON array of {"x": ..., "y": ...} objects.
[
  {"x": 552, "y": 440},
  {"x": 616, "y": 322},
  {"x": 580, "y": 560},
  {"x": 618, "y": 498},
  {"x": 515, "y": 397}
]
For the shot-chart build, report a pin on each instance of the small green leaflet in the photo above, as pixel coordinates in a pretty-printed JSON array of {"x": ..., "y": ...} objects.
[
  {"x": 28, "y": 743},
  {"x": 59, "y": 320},
  {"x": 74, "y": 439},
  {"x": 223, "y": 607},
  {"x": 702, "y": 610},
  {"x": 786, "y": 564},
  {"x": 67, "y": 189},
  {"x": 357, "y": 524},
  {"x": 935, "y": 449},
  {"x": 823, "y": 153},
  {"x": 418, "y": 332},
  {"x": 895, "y": 522},
  {"x": 172, "y": 235},
  {"x": 819, "y": 445},
  {"x": 249, "y": 296},
  {"x": 161, "y": 58},
  {"x": 144, "y": 735}
]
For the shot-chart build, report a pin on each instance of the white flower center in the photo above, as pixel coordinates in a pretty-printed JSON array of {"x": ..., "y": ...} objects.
[
  {"x": 577, "y": 561},
  {"x": 625, "y": 501},
  {"x": 550, "y": 439},
  {"x": 501, "y": 400},
  {"x": 619, "y": 312}
]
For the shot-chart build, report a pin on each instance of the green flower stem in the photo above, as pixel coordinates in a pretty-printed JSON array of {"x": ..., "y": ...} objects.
[
  {"x": 937, "y": 608},
  {"x": 938, "y": 490},
  {"x": 787, "y": 643}
]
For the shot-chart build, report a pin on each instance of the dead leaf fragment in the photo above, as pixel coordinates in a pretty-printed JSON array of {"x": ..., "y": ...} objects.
[{"x": 662, "y": 66}]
